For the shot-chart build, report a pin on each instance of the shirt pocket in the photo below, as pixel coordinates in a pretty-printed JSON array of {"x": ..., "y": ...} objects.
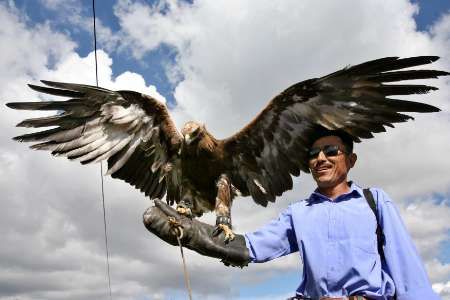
[
  {"x": 365, "y": 247},
  {"x": 365, "y": 261}
]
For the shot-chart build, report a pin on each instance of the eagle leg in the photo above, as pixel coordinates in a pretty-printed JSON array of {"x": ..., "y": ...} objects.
[{"x": 223, "y": 208}]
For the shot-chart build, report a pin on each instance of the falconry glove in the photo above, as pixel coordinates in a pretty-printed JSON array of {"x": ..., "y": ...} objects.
[{"x": 166, "y": 223}]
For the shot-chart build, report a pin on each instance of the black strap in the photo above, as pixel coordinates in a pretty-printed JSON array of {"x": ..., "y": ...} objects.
[
  {"x": 225, "y": 220},
  {"x": 380, "y": 236}
]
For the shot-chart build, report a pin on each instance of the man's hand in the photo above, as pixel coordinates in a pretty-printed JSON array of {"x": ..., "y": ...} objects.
[{"x": 167, "y": 223}]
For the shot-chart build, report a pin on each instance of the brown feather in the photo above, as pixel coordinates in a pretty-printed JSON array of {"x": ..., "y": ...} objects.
[{"x": 352, "y": 99}]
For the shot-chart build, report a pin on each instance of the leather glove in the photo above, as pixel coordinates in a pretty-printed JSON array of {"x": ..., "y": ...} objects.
[{"x": 195, "y": 235}]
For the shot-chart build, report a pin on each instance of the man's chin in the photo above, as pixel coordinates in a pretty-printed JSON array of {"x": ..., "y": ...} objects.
[
  {"x": 324, "y": 179},
  {"x": 325, "y": 182}
]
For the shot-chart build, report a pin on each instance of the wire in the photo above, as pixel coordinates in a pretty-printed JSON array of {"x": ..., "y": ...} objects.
[
  {"x": 95, "y": 45},
  {"x": 101, "y": 165}
]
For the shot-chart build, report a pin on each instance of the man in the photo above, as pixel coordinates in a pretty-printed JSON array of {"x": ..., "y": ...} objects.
[{"x": 334, "y": 230}]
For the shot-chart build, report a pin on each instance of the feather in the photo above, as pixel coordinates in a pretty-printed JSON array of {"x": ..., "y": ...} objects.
[
  {"x": 46, "y": 105},
  {"x": 152, "y": 184},
  {"x": 98, "y": 124},
  {"x": 405, "y": 75},
  {"x": 85, "y": 129},
  {"x": 45, "y": 121},
  {"x": 143, "y": 180},
  {"x": 37, "y": 136},
  {"x": 56, "y": 92},
  {"x": 123, "y": 158},
  {"x": 73, "y": 154},
  {"x": 61, "y": 148},
  {"x": 406, "y": 89},
  {"x": 77, "y": 87},
  {"x": 389, "y": 64},
  {"x": 275, "y": 144},
  {"x": 116, "y": 148}
]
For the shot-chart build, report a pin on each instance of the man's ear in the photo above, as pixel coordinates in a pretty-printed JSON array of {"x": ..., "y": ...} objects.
[{"x": 352, "y": 157}]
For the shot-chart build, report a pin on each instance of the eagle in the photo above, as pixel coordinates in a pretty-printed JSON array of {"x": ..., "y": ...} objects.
[{"x": 135, "y": 134}]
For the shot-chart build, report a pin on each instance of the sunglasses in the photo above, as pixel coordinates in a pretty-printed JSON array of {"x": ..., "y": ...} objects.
[{"x": 328, "y": 150}]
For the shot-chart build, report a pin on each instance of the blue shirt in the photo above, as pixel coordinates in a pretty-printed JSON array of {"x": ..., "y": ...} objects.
[{"x": 338, "y": 247}]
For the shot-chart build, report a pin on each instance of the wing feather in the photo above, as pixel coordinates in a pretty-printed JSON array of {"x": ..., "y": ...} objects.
[
  {"x": 131, "y": 131},
  {"x": 274, "y": 146}
]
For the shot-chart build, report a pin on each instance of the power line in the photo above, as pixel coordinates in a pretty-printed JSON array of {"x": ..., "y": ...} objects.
[{"x": 101, "y": 165}]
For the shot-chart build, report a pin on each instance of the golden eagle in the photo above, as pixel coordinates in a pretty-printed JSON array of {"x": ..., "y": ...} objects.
[{"x": 135, "y": 134}]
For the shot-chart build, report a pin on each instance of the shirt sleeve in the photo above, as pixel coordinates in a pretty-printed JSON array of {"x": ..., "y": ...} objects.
[
  {"x": 403, "y": 262},
  {"x": 273, "y": 240}
]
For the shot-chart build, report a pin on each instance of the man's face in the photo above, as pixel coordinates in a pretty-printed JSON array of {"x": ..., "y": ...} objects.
[{"x": 329, "y": 171}]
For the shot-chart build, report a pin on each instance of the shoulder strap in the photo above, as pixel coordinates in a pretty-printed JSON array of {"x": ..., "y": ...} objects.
[{"x": 380, "y": 236}]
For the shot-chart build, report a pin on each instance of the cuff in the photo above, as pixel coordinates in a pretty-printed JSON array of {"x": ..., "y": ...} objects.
[{"x": 249, "y": 247}]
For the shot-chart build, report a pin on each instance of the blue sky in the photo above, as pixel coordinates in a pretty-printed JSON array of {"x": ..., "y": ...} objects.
[
  {"x": 154, "y": 65},
  {"x": 429, "y": 12},
  {"x": 151, "y": 65}
]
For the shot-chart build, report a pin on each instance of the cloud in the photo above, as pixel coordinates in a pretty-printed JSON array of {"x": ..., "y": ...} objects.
[
  {"x": 81, "y": 70},
  {"x": 51, "y": 218},
  {"x": 77, "y": 17},
  {"x": 232, "y": 57},
  {"x": 443, "y": 289},
  {"x": 429, "y": 235}
]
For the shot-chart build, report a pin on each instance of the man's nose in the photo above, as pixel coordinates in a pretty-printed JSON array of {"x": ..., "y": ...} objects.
[{"x": 321, "y": 156}]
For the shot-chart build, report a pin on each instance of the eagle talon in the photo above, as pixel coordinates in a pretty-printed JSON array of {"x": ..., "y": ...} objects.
[
  {"x": 229, "y": 235},
  {"x": 185, "y": 211}
]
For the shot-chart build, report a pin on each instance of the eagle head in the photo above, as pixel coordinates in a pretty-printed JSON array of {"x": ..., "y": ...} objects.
[{"x": 192, "y": 131}]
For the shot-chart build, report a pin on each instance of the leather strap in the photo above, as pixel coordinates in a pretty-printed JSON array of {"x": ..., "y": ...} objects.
[
  {"x": 380, "y": 236},
  {"x": 223, "y": 220}
]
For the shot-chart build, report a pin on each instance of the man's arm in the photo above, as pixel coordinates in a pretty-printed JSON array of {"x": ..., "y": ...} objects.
[
  {"x": 273, "y": 240},
  {"x": 402, "y": 259}
]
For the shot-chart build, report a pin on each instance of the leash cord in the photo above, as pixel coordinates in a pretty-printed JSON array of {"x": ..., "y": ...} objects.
[
  {"x": 186, "y": 274},
  {"x": 101, "y": 164},
  {"x": 177, "y": 230}
]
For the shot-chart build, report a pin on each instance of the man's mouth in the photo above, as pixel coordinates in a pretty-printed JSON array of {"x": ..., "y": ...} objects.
[{"x": 322, "y": 168}]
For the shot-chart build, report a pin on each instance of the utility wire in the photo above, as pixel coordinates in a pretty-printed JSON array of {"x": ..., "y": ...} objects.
[{"x": 101, "y": 165}]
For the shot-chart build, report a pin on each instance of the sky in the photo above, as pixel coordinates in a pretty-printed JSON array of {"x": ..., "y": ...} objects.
[{"x": 218, "y": 62}]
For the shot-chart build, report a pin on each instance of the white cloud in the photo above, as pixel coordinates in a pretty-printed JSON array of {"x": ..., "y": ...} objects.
[
  {"x": 443, "y": 289},
  {"x": 438, "y": 271},
  {"x": 429, "y": 235},
  {"x": 428, "y": 224},
  {"x": 51, "y": 218},
  {"x": 81, "y": 70},
  {"x": 233, "y": 56}
]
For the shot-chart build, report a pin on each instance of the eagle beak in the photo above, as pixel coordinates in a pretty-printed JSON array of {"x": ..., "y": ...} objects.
[{"x": 187, "y": 139}]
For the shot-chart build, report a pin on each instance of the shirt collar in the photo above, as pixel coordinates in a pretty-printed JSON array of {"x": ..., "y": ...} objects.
[{"x": 355, "y": 190}]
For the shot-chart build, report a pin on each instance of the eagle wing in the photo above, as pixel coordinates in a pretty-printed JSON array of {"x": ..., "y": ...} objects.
[
  {"x": 274, "y": 146},
  {"x": 130, "y": 130}
]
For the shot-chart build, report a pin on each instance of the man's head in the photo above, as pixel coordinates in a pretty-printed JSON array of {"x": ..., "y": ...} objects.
[{"x": 331, "y": 157}]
